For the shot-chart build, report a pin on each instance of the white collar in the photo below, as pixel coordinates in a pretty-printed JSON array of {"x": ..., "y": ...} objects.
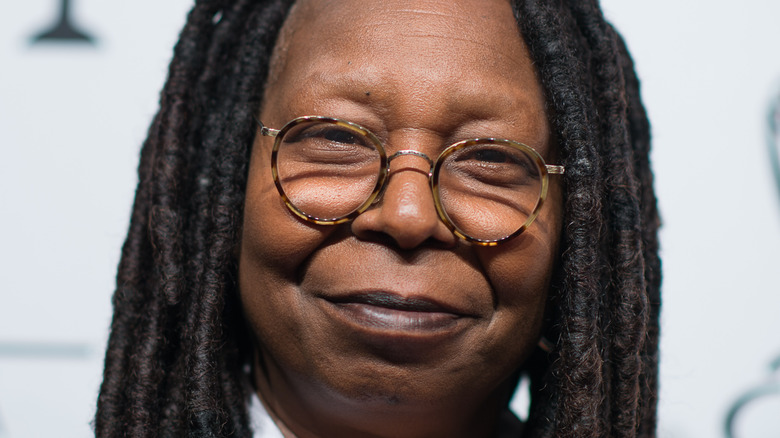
[{"x": 261, "y": 423}]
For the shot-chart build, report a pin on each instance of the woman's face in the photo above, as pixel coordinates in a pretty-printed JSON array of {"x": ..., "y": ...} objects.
[{"x": 392, "y": 310}]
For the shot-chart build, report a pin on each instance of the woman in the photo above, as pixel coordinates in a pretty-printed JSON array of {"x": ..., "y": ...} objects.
[{"x": 365, "y": 218}]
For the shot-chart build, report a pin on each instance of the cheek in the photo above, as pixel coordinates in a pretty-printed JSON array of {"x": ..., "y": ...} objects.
[
  {"x": 273, "y": 240},
  {"x": 521, "y": 286},
  {"x": 274, "y": 245},
  {"x": 520, "y": 276},
  {"x": 520, "y": 273},
  {"x": 522, "y": 268}
]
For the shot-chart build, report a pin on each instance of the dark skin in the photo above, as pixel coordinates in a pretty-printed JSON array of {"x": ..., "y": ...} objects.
[{"x": 421, "y": 75}]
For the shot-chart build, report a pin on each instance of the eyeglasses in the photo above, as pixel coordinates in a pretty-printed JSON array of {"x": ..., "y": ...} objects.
[{"x": 486, "y": 190}]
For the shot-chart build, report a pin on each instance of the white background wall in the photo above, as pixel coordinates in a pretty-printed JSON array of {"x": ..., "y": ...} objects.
[{"x": 72, "y": 120}]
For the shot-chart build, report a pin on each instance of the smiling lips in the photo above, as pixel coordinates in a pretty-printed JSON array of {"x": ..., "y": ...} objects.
[{"x": 390, "y": 312}]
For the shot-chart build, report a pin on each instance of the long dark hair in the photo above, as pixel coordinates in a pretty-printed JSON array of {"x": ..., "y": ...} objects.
[{"x": 178, "y": 348}]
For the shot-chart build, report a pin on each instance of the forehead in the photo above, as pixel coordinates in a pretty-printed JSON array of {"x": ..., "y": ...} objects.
[
  {"x": 465, "y": 55},
  {"x": 423, "y": 33},
  {"x": 372, "y": 21}
]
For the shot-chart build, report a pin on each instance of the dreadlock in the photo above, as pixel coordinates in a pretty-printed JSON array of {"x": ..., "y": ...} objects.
[{"x": 178, "y": 347}]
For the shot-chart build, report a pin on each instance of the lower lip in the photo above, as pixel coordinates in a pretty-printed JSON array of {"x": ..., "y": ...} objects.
[
  {"x": 395, "y": 335},
  {"x": 395, "y": 320}
]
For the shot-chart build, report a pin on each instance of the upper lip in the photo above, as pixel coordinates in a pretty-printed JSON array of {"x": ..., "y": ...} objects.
[{"x": 395, "y": 301}]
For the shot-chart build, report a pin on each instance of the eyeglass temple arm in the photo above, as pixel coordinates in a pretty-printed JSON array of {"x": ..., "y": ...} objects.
[
  {"x": 266, "y": 130},
  {"x": 554, "y": 169}
]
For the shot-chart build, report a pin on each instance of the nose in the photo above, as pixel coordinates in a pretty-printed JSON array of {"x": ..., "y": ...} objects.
[{"x": 405, "y": 210}]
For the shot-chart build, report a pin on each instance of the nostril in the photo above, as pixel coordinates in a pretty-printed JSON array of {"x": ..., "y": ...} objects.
[{"x": 411, "y": 229}]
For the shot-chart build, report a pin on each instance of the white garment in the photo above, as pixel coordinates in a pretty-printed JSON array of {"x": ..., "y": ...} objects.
[{"x": 261, "y": 423}]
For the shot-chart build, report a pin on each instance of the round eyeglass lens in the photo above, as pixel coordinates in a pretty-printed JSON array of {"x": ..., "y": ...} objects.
[
  {"x": 327, "y": 170},
  {"x": 489, "y": 191}
]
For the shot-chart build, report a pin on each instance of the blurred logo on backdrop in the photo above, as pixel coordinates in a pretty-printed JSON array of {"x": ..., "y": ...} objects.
[
  {"x": 63, "y": 29},
  {"x": 761, "y": 402},
  {"x": 756, "y": 406},
  {"x": 41, "y": 351},
  {"x": 774, "y": 138}
]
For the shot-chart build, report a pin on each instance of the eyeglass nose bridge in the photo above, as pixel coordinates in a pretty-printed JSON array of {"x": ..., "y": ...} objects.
[
  {"x": 399, "y": 154},
  {"x": 416, "y": 154}
]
